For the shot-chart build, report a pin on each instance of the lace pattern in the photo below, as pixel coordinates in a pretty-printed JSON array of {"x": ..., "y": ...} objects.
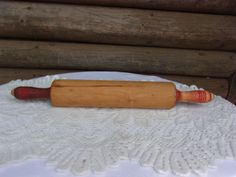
[{"x": 186, "y": 139}]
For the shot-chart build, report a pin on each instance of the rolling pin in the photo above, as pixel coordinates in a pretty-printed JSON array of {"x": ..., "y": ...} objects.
[{"x": 112, "y": 94}]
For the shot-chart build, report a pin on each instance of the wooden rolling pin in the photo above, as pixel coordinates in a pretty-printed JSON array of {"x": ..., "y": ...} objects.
[{"x": 112, "y": 94}]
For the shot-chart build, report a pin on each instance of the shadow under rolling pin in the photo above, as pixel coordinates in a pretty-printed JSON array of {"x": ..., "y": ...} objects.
[{"x": 112, "y": 94}]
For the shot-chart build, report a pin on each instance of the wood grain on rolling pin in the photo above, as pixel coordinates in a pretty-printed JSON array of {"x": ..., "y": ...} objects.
[
  {"x": 116, "y": 94},
  {"x": 116, "y": 26}
]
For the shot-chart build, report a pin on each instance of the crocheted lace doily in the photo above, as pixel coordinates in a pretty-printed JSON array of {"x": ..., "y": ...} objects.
[{"x": 186, "y": 139}]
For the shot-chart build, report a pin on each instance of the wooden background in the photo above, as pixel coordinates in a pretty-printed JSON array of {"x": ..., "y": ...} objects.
[{"x": 190, "y": 41}]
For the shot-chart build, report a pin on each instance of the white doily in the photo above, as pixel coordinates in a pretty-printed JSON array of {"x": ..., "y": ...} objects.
[{"x": 186, "y": 139}]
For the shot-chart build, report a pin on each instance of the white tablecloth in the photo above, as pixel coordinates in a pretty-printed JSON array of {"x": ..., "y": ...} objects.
[{"x": 38, "y": 167}]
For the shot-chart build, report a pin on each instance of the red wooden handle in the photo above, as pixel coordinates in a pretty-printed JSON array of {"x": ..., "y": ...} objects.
[
  {"x": 197, "y": 96},
  {"x": 28, "y": 93}
]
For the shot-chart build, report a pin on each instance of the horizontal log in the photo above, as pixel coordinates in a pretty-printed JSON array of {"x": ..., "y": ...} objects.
[
  {"x": 116, "y": 26},
  {"x": 209, "y": 6},
  {"x": 232, "y": 89},
  {"x": 31, "y": 54},
  {"x": 217, "y": 86}
]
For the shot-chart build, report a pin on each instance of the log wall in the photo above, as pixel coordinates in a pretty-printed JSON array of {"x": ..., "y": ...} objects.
[
  {"x": 203, "y": 6},
  {"x": 189, "y": 41},
  {"x": 121, "y": 26},
  {"x": 151, "y": 60}
]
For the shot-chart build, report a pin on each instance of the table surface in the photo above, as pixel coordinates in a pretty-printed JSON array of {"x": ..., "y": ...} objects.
[{"x": 39, "y": 167}]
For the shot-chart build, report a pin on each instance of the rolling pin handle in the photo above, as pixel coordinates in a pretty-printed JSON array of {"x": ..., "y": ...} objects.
[
  {"x": 28, "y": 93},
  {"x": 197, "y": 96}
]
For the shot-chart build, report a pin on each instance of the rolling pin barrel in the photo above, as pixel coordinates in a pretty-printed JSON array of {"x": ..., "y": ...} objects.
[{"x": 112, "y": 94}]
